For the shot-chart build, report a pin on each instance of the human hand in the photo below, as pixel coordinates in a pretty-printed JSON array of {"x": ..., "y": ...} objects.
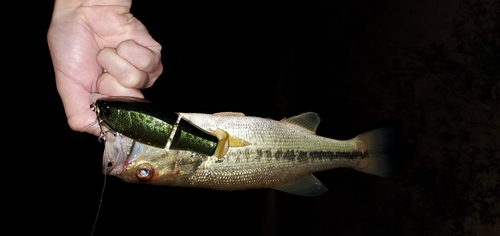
[{"x": 87, "y": 36}]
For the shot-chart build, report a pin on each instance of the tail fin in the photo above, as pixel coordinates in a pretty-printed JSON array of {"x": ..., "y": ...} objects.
[{"x": 378, "y": 143}]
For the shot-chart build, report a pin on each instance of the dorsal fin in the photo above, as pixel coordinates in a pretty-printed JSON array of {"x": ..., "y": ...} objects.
[
  {"x": 228, "y": 113},
  {"x": 308, "y": 120}
]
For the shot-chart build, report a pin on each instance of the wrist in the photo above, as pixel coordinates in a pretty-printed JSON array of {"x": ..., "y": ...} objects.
[
  {"x": 72, "y": 4},
  {"x": 67, "y": 4}
]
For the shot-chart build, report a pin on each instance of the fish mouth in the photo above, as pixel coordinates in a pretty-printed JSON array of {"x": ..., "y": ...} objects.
[
  {"x": 119, "y": 150},
  {"x": 113, "y": 158}
]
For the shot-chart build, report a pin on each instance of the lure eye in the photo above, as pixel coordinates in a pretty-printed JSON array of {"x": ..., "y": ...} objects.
[
  {"x": 144, "y": 172},
  {"x": 105, "y": 108}
]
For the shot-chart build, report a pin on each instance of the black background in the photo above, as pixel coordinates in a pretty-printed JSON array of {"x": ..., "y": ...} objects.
[{"x": 427, "y": 69}]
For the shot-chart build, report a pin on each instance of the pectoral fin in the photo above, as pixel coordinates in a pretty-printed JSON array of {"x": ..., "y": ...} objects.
[
  {"x": 237, "y": 142},
  {"x": 226, "y": 141},
  {"x": 308, "y": 186}
]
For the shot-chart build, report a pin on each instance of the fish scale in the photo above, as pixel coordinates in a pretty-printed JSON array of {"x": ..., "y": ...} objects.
[{"x": 280, "y": 170}]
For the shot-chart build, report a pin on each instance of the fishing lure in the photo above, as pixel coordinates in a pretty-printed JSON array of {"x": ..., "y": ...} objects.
[{"x": 144, "y": 122}]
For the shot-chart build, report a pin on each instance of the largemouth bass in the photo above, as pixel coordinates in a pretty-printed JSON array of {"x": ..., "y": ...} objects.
[{"x": 258, "y": 153}]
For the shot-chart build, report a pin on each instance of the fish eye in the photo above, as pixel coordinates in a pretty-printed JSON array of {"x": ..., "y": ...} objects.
[{"x": 144, "y": 172}]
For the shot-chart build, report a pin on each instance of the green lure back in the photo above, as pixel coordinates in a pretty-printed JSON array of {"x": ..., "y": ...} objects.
[{"x": 146, "y": 123}]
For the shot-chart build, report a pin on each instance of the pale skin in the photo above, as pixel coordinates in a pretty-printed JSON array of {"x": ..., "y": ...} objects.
[{"x": 99, "y": 48}]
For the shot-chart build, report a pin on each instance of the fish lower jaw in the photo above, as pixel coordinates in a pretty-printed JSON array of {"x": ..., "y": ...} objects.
[{"x": 117, "y": 170}]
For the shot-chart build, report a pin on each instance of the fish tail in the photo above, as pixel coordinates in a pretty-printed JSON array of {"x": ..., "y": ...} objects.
[{"x": 377, "y": 144}]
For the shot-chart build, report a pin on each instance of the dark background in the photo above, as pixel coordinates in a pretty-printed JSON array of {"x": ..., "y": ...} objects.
[{"x": 430, "y": 70}]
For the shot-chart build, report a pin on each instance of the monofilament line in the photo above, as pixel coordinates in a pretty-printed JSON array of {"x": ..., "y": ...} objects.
[{"x": 99, "y": 207}]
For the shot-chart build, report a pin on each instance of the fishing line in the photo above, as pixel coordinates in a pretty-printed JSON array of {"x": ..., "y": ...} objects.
[
  {"x": 90, "y": 126},
  {"x": 99, "y": 207}
]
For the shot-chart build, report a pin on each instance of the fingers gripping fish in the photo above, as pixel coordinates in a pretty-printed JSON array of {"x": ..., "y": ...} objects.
[{"x": 229, "y": 151}]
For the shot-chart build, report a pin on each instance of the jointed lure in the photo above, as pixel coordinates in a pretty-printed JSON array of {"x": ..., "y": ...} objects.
[{"x": 142, "y": 121}]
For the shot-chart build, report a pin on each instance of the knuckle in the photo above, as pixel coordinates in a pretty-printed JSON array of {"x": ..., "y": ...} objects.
[
  {"x": 104, "y": 81},
  {"x": 124, "y": 47},
  {"x": 133, "y": 79},
  {"x": 104, "y": 54},
  {"x": 144, "y": 62},
  {"x": 140, "y": 56}
]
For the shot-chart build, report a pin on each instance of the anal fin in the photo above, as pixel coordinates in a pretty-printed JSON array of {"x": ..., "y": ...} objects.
[{"x": 307, "y": 186}]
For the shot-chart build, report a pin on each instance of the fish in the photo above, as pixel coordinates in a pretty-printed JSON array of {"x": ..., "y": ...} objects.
[{"x": 259, "y": 152}]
